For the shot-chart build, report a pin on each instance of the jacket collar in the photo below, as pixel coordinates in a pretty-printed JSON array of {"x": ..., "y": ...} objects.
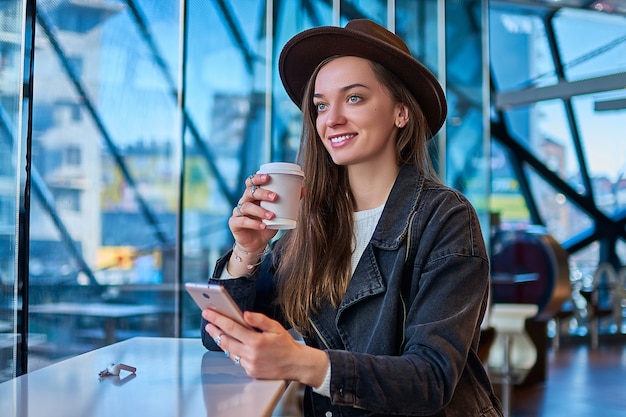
[
  {"x": 390, "y": 232},
  {"x": 402, "y": 202}
]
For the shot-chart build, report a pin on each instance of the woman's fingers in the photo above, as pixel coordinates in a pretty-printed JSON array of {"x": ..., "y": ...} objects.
[
  {"x": 225, "y": 325},
  {"x": 248, "y": 205},
  {"x": 262, "y": 322},
  {"x": 269, "y": 353},
  {"x": 247, "y": 216},
  {"x": 253, "y": 209}
]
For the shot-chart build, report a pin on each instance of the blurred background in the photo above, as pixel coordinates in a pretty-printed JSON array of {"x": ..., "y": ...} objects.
[{"x": 127, "y": 129}]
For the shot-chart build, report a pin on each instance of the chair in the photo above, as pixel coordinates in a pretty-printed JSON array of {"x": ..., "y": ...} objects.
[
  {"x": 565, "y": 314},
  {"x": 619, "y": 300},
  {"x": 605, "y": 278}
]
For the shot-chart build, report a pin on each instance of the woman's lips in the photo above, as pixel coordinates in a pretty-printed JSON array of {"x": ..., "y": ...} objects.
[{"x": 337, "y": 141}]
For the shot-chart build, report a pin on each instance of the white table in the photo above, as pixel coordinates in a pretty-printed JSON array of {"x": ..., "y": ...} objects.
[{"x": 174, "y": 378}]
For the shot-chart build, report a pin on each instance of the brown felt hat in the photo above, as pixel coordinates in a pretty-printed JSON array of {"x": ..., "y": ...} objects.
[{"x": 365, "y": 39}]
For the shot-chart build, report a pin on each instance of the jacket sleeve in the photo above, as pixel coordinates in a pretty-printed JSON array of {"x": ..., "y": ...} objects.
[{"x": 444, "y": 308}]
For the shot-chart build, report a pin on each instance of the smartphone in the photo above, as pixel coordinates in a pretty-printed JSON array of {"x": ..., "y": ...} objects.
[{"x": 216, "y": 298}]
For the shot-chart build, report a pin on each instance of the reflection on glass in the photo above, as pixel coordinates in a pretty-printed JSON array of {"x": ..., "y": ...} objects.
[
  {"x": 543, "y": 129},
  {"x": 550, "y": 140},
  {"x": 506, "y": 198},
  {"x": 519, "y": 51},
  {"x": 12, "y": 168},
  {"x": 562, "y": 218},
  {"x": 108, "y": 137},
  {"x": 105, "y": 179},
  {"x": 375, "y": 10},
  {"x": 466, "y": 167},
  {"x": 572, "y": 135},
  {"x": 621, "y": 250},
  {"x": 598, "y": 50},
  {"x": 226, "y": 124},
  {"x": 228, "y": 391},
  {"x": 603, "y": 142}
]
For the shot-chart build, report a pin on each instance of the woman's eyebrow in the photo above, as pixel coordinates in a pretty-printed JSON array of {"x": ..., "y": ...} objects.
[
  {"x": 343, "y": 89},
  {"x": 355, "y": 85}
]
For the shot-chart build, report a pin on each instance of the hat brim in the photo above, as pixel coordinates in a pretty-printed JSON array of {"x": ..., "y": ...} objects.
[{"x": 303, "y": 53}]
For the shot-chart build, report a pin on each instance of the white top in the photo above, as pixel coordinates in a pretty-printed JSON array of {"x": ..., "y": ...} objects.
[{"x": 364, "y": 224}]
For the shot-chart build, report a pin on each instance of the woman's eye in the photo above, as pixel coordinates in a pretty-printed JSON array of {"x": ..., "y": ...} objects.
[
  {"x": 354, "y": 99},
  {"x": 320, "y": 106}
]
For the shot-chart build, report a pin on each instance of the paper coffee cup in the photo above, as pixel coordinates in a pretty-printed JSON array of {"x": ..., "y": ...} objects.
[{"x": 286, "y": 181}]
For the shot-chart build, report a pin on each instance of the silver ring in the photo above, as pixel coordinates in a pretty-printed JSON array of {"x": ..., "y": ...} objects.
[
  {"x": 239, "y": 209},
  {"x": 218, "y": 339},
  {"x": 253, "y": 189},
  {"x": 226, "y": 353},
  {"x": 251, "y": 178},
  {"x": 237, "y": 360}
]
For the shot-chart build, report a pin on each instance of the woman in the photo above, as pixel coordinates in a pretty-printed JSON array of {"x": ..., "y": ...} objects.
[{"x": 386, "y": 275}]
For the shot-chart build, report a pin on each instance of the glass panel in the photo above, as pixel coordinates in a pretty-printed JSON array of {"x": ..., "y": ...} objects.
[
  {"x": 375, "y": 10},
  {"x": 543, "y": 129},
  {"x": 506, "y": 199},
  {"x": 519, "y": 51},
  {"x": 293, "y": 16},
  {"x": 621, "y": 252},
  {"x": 416, "y": 23},
  {"x": 466, "y": 164},
  {"x": 11, "y": 169},
  {"x": 562, "y": 218},
  {"x": 590, "y": 44},
  {"x": 225, "y": 134},
  {"x": 602, "y": 136},
  {"x": 105, "y": 179},
  {"x": 551, "y": 140}
]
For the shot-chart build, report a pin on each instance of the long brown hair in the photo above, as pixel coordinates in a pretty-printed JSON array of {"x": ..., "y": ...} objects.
[{"x": 315, "y": 257}]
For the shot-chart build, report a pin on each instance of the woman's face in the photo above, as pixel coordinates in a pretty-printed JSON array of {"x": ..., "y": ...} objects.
[{"x": 356, "y": 116}]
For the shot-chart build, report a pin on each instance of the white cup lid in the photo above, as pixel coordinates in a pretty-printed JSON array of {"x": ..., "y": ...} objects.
[{"x": 281, "y": 168}]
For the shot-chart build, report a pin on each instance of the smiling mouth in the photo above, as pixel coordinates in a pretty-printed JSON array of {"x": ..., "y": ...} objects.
[{"x": 342, "y": 138}]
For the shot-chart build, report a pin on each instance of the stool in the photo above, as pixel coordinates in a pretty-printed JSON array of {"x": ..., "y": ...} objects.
[
  {"x": 564, "y": 314},
  {"x": 509, "y": 319}
]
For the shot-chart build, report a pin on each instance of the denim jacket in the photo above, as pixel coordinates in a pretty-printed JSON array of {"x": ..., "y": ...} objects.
[{"x": 404, "y": 340}]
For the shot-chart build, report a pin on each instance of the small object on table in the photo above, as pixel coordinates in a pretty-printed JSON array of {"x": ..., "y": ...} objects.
[{"x": 114, "y": 370}]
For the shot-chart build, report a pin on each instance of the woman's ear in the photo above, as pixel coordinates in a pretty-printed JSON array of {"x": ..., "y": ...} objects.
[{"x": 403, "y": 116}]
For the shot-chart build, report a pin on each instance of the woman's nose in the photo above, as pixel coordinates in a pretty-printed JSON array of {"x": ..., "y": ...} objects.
[{"x": 335, "y": 116}]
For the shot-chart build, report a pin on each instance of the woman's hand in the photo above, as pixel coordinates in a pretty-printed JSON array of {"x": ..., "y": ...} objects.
[
  {"x": 246, "y": 224},
  {"x": 269, "y": 353}
]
